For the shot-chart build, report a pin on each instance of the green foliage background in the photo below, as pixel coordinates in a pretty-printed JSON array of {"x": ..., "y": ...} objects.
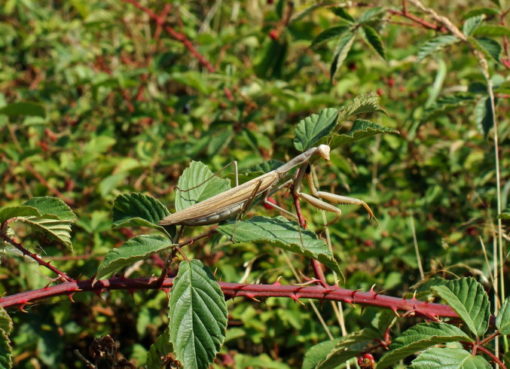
[{"x": 118, "y": 109}]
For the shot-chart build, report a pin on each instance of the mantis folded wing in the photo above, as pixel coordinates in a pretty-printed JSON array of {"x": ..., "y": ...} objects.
[{"x": 234, "y": 201}]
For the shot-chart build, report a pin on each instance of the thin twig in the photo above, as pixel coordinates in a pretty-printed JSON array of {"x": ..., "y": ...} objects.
[
  {"x": 176, "y": 35},
  {"x": 40, "y": 261}
]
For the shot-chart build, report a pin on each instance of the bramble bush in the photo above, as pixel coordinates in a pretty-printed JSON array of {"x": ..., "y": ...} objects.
[{"x": 115, "y": 114}]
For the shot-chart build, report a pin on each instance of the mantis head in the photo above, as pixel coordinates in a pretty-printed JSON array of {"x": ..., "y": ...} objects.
[{"x": 324, "y": 151}]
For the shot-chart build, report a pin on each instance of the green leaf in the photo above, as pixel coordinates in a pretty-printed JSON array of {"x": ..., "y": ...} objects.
[
  {"x": 318, "y": 353},
  {"x": 487, "y": 46},
  {"x": 445, "y": 104},
  {"x": 52, "y": 206},
  {"x": 5, "y": 351},
  {"x": 436, "y": 87},
  {"x": 23, "y": 109},
  {"x": 307, "y": 11},
  {"x": 328, "y": 34},
  {"x": 371, "y": 14},
  {"x": 342, "y": 13},
  {"x": 134, "y": 249},
  {"x": 312, "y": 129},
  {"x": 197, "y": 316},
  {"x": 17, "y": 211},
  {"x": 198, "y": 183},
  {"x": 348, "y": 347},
  {"x": 360, "y": 129},
  {"x": 479, "y": 11},
  {"x": 418, "y": 338},
  {"x": 158, "y": 351},
  {"x": 449, "y": 358},
  {"x": 137, "y": 209},
  {"x": 5, "y": 321},
  {"x": 360, "y": 105},
  {"x": 505, "y": 214},
  {"x": 48, "y": 229},
  {"x": 468, "y": 298},
  {"x": 503, "y": 318},
  {"x": 283, "y": 233},
  {"x": 374, "y": 40},
  {"x": 435, "y": 45},
  {"x": 259, "y": 169},
  {"x": 342, "y": 49},
  {"x": 484, "y": 116},
  {"x": 491, "y": 30},
  {"x": 471, "y": 24}
]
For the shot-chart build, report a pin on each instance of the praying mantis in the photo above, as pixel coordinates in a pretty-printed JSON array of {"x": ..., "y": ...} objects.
[{"x": 236, "y": 200}]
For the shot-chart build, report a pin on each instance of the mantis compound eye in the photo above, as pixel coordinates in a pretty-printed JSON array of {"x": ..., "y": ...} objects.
[{"x": 324, "y": 151}]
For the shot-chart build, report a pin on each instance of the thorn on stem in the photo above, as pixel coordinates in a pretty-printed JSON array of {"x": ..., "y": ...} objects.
[
  {"x": 251, "y": 296},
  {"x": 21, "y": 307}
]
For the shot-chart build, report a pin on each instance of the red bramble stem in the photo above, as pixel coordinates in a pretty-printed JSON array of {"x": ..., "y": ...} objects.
[{"x": 409, "y": 306}]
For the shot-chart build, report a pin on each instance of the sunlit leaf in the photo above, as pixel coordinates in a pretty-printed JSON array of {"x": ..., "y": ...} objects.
[
  {"x": 197, "y": 316},
  {"x": 343, "y": 47},
  {"x": 488, "y": 46},
  {"x": 342, "y": 13},
  {"x": 328, "y": 34},
  {"x": 48, "y": 229},
  {"x": 435, "y": 45},
  {"x": 374, "y": 40},
  {"x": 468, "y": 298},
  {"x": 281, "y": 232},
  {"x": 449, "y": 358},
  {"x": 479, "y": 11},
  {"x": 318, "y": 353},
  {"x": 137, "y": 209},
  {"x": 348, "y": 347},
  {"x": 371, "y": 14},
  {"x": 52, "y": 206},
  {"x": 491, "y": 30},
  {"x": 198, "y": 183},
  {"x": 360, "y": 129},
  {"x": 471, "y": 24},
  {"x": 503, "y": 318},
  {"x": 360, "y": 105},
  {"x": 17, "y": 211},
  {"x": 312, "y": 129},
  {"x": 445, "y": 104},
  {"x": 131, "y": 251},
  {"x": 418, "y": 338}
]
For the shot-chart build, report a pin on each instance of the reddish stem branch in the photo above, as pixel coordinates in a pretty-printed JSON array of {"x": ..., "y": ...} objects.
[
  {"x": 45, "y": 183},
  {"x": 422, "y": 22},
  {"x": 176, "y": 35},
  {"x": 252, "y": 291},
  {"x": 486, "y": 351},
  {"x": 36, "y": 257}
]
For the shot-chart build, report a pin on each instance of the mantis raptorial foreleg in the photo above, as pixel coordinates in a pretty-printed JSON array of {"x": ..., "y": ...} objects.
[
  {"x": 317, "y": 197},
  {"x": 236, "y": 200}
]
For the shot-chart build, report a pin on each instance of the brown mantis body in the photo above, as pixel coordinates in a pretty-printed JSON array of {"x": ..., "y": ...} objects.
[{"x": 228, "y": 204}]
